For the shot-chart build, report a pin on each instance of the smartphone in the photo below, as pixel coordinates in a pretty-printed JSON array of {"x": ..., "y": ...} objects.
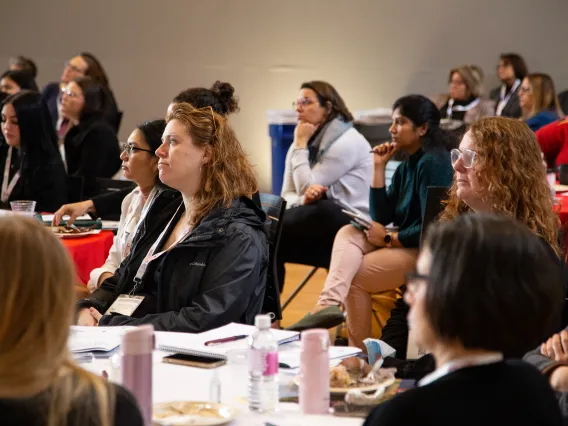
[{"x": 194, "y": 361}]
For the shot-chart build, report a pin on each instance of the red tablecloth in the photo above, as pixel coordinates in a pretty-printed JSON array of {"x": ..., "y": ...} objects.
[
  {"x": 563, "y": 213},
  {"x": 89, "y": 252}
]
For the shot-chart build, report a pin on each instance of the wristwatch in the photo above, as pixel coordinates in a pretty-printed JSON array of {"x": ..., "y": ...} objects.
[{"x": 388, "y": 240}]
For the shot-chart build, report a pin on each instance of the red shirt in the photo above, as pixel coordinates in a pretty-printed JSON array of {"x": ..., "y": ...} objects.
[{"x": 553, "y": 141}]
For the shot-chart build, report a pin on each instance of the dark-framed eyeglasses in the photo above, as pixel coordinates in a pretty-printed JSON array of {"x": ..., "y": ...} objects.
[
  {"x": 468, "y": 157},
  {"x": 524, "y": 89},
  {"x": 129, "y": 149}
]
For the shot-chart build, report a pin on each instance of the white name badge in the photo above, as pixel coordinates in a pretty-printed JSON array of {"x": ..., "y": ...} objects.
[{"x": 125, "y": 305}]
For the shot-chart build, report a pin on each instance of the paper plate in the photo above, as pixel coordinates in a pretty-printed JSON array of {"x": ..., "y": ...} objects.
[
  {"x": 74, "y": 235},
  {"x": 182, "y": 413}
]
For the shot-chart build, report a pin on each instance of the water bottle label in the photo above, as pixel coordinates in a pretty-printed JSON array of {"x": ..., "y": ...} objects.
[{"x": 262, "y": 361}]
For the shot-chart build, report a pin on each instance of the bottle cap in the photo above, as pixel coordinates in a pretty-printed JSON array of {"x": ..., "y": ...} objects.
[
  {"x": 318, "y": 338},
  {"x": 262, "y": 322},
  {"x": 138, "y": 341}
]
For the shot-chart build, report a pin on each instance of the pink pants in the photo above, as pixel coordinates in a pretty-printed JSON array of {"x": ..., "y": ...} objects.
[{"x": 358, "y": 270}]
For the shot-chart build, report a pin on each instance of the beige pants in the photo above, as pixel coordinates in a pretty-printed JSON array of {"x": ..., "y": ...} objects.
[{"x": 357, "y": 270}]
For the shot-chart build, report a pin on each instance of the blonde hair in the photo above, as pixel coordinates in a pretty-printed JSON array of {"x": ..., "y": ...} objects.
[
  {"x": 472, "y": 76},
  {"x": 543, "y": 94},
  {"x": 509, "y": 168},
  {"x": 36, "y": 309},
  {"x": 228, "y": 174}
]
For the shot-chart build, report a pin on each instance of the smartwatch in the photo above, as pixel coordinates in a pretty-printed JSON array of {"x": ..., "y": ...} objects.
[{"x": 388, "y": 240}]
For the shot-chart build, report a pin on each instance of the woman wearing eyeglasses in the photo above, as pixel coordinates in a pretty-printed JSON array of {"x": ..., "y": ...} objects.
[
  {"x": 91, "y": 146},
  {"x": 538, "y": 101},
  {"x": 486, "y": 289},
  {"x": 82, "y": 65},
  {"x": 139, "y": 164},
  {"x": 328, "y": 168}
]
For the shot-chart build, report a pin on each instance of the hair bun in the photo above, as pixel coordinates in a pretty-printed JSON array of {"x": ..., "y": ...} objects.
[{"x": 225, "y": 92}]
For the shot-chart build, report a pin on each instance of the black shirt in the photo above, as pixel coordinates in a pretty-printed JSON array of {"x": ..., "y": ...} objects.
[
  {"x": 503, "y": 393},
  {"x": 33, "y": 411}
]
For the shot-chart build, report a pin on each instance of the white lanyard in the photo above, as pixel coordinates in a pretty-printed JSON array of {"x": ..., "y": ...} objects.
[
  {"x": 452, "y": 108},
  {"x": 127, "y": 233},
  {"x": 8, "y": 187},
  {"x": 503, "y": 100},
  {"x": 457, "y": 364},
  {"x": 150, "y": 256}
]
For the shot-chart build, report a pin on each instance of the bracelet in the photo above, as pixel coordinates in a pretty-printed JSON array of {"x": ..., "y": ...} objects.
[{"x": 299, "y": 149}]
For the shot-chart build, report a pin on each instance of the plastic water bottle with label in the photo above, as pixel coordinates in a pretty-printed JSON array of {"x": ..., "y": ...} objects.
[{"x": 263, "y": 367}]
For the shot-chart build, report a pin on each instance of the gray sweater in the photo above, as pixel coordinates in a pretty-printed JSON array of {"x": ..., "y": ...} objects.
[{"x": 346, "y": 169}]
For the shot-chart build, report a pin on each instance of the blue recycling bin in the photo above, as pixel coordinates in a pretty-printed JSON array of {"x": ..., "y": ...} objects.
[{"x": 281, "y": 125}]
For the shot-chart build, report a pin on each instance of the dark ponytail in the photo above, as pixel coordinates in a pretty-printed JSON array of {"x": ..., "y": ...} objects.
[{"x": 422, "y": 111}]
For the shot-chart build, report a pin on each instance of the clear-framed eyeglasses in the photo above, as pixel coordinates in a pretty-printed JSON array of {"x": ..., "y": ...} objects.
[{"x": 468, "y": 157}]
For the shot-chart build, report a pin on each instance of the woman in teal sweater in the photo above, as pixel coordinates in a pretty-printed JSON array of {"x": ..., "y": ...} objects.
[{"x": 375, "y": 260}]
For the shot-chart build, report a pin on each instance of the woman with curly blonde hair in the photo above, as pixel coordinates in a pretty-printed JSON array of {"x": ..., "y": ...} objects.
[
  {"x": 39, "y": 382},
  {"x": 199, "y": 260}
]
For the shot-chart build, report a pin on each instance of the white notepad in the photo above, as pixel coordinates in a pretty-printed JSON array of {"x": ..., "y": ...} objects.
[
  {"x": 194, "y": 344},
  {"x": 95, "y": 339}
]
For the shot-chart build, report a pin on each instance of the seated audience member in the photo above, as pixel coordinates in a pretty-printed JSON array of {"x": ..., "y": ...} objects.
[
  {"x": 538, "y": 101},
  {"x": 21, "y": 63},
  {"x": 139, "y": 164},
  {"x": 553, "y": 141},
  {"x": 83, "y": 65},
  {"x": 220, "y": 97},
  {"x": 511, "y": 71},
  {"x": 91, "y": 146},
  {"x": 464, "y": 103},
  {"x": 40, "y": 384},
  {"x": 32, "y": 166},
  {"x": 12, "y": 82},
  {"x": 200, "y": 262},
  {"x": 498, "y": 168},
  {"x": 377, "y": 260},
  {"x": 462, "y": 311},
  {"x": 328, "y": 168}
]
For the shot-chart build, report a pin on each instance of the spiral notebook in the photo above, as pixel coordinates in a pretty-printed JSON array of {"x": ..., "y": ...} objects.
[{"x": 194, "y": 344}]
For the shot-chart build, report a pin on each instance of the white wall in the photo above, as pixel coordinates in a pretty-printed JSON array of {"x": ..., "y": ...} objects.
[{"x": 372, "y": 50}]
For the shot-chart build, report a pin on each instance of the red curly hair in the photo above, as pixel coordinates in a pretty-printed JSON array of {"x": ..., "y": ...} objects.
[
  {"x": 228, "y": 175},
  {"x": 509, "y": 167}
]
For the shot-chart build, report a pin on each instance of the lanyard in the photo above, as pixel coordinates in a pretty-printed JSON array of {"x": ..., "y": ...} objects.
[
  {"x": 452, "y": 108},
  {"x": 130, "y": 228},
  {"x": 503, "y": 100},
  {"x": 8, "y": 187},
  {"x": 458, "y": 364},
  {"x": 151, "y": 255}
]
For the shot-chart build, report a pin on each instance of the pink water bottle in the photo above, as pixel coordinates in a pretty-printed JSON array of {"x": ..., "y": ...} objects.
[
  {"x": 314, "y": 372},
  {"x": 136, "y": 367}
]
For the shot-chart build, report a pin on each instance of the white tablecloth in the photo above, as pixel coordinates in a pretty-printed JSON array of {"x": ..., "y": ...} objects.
[{"x": 180, "y": 383}]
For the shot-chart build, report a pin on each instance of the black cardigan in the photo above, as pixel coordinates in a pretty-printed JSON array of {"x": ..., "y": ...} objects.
[
  {"x": 42, "y": 180},
  {"x": 92, "y": 151}
]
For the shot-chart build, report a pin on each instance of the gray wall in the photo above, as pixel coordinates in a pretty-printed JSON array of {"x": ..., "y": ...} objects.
[{"x": 372, "y": 50}]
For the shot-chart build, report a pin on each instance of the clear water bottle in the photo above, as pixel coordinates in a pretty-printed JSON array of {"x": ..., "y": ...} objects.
[{"x": 263, "y": 367}]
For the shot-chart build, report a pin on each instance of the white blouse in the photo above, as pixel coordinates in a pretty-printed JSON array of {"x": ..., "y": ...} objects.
[{"x": 132, "y": 213}]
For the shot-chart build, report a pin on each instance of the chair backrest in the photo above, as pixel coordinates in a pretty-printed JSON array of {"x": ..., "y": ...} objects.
[
  {"x": 75, "y": 190},
  {"x": 563, "y": 99},
  {"x": 118, "y": 120},
  {"x": 275, "y": 207},
  {"x": 434, "y": 207},
  {"x": 105, "y": 185},
  {"x": 391, "y": 167}
]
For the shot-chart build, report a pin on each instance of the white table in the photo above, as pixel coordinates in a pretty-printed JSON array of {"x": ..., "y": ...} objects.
[{"x": 180, "y": 383}]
